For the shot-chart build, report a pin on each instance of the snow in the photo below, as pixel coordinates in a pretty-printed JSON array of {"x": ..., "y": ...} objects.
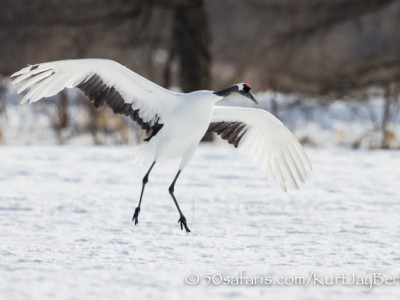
[{"x": 66, "y": 230}]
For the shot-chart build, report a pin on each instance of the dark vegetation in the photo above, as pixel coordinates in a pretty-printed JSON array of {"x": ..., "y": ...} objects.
[{"x": 324, "y": 49}]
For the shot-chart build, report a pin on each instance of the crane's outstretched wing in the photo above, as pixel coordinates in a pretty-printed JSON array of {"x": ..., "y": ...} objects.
[
  {"x": 104, "y": 82},
  {"x": 265, "y": 140}
]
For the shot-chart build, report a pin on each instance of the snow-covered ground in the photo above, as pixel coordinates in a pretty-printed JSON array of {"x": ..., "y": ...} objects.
[{"x": 66, "y": 232}]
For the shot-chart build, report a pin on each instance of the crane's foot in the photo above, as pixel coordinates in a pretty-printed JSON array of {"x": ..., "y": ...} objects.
[
  {"x": 182, "y": 221},
  {"x": 136, "y": 215}
]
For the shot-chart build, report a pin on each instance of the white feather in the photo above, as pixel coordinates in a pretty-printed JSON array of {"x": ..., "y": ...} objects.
[
  {"x": 34, "y": 80},
  {"x": 185, "y": 117},
  {"x": 269, "y": 144},
  {"x": 149, "y": 97}
]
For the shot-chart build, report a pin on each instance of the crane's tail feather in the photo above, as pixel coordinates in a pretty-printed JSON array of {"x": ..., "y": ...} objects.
[{"x": 144, "y": 154}]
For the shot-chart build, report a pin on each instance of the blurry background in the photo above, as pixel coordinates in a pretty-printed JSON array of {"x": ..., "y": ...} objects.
[{"x": 330, "y": 69}]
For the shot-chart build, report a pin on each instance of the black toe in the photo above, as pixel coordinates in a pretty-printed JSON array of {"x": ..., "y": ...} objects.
[
  {"x": 136, "y": 215},
  {"x": 182, "y": 221}
]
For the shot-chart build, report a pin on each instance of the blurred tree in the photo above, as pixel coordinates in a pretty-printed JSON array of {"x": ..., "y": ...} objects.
[
  {"x": 323, "y": 48},
  {"x": 317, "y": 47},
  {"x": 192, "y": 39},
  {"x": 140, "y": 34},
  {"x": 2, "y": 110},
  {"x": 328, "y": 49},
  {"x": 59, "y": 118},
  {"x": 392, "y": 92},
  {"x": 136, "y": 33}
]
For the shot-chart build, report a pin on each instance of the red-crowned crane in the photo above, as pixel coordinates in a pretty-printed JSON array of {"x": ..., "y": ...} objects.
[{"x": 176, "y": 122}]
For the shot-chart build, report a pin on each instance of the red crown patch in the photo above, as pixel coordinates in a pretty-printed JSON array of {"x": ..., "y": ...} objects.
[{"x": 246, "y": 85}]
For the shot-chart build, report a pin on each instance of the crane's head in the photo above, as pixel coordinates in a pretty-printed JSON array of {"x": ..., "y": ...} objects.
[{"x": 243, "y": 89}]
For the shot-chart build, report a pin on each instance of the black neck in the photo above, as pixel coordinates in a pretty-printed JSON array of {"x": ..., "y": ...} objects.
[{"x": 226, "y": 92}]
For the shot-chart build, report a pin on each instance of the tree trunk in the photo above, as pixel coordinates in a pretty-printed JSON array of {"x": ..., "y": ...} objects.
[{"x": 192, "y": 38}]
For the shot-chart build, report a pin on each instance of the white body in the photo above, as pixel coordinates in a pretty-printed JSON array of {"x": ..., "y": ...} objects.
[
  {"x": 185, "y": 117},
  {"x": 179, "y": 137}
]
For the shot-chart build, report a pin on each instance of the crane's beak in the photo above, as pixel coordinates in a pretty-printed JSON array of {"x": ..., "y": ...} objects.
[{"x": 251, "y": 97}]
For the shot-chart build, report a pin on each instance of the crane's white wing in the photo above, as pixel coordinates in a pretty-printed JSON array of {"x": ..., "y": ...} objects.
[
  {"x": 265, "y": 140},
  {"x": 104, "y": 82}
]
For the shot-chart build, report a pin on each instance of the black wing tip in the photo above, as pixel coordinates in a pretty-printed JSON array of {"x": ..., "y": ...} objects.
[
  {"x": 34, "y": 67},
  {"x": 100, "y": 93},
  {"x": 230, "y": 131}
]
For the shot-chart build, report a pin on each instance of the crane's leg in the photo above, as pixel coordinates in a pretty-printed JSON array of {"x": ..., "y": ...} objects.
[
  {"x": 145, "y": 180},
  {"x": 182, "y": 219}
]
